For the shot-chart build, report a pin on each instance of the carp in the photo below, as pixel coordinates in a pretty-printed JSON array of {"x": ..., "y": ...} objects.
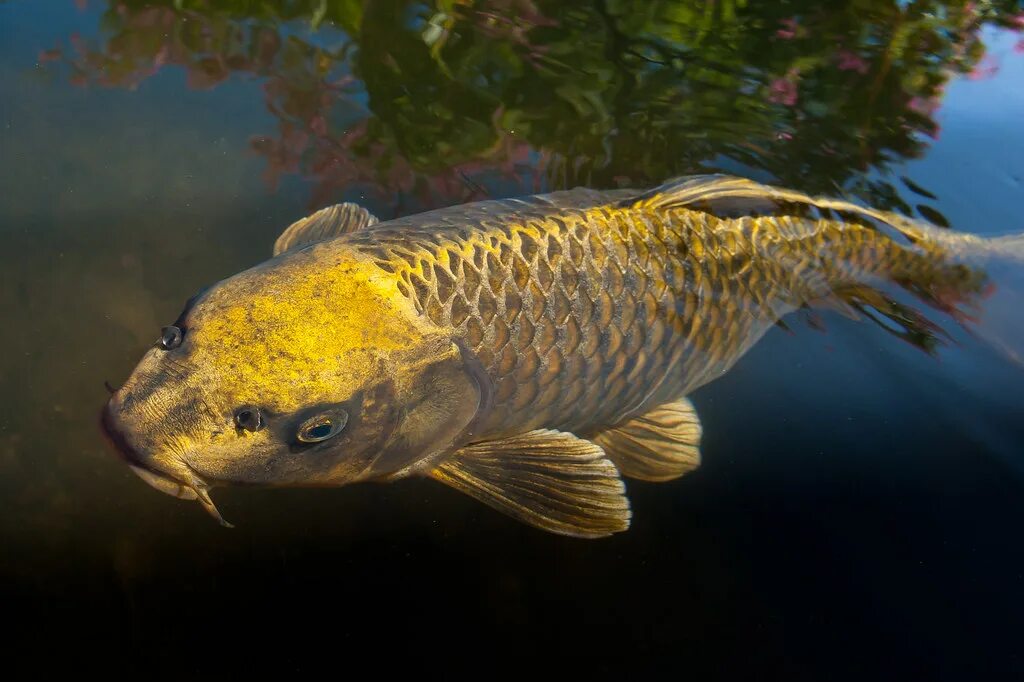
[{"x": 529, "y": 352}]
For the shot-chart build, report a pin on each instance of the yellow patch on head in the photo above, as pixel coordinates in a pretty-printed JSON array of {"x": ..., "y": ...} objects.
[{"x": 311, "y": 325}]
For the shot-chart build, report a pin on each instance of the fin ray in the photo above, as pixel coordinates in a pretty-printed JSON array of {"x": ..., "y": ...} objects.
[
  {"x": 325, "y": 224},
  {"x": 657, "y": 446},
  {"x": 727, "y": 196},
  {"x": 548, "y": 479}
]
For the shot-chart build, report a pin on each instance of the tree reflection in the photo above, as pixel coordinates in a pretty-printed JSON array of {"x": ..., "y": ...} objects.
[{"x": 437, "y": 100}]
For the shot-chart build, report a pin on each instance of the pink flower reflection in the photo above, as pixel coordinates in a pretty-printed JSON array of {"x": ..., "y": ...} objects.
[
  {"x": 789, "y": 29},
  {"x": 784, "y": 90},
  {"x": 49, "y": 55},
  {"x": 851, "y": 61},
  {"x": 318, "y": 124},
  {"x": 925, "y": 107},
  {"x": 987, "y": 68}
]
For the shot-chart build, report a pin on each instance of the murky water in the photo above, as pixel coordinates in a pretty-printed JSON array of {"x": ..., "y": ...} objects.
[{"x": 858, "y": 510}]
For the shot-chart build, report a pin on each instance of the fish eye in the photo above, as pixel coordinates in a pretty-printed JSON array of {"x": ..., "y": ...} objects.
[
  {"x": 248, "y": 417},
  {"x": 170, "y": 337},
  {"x": 322, "y": 427}
]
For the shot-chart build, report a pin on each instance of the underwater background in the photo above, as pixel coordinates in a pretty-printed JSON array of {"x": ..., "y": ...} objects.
[{"x": 859, "y": 508}]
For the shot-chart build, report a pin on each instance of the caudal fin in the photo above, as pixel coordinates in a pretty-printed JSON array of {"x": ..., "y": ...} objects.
[
  {"x": 1010, "y": 248},
  {"x": 1000, "y": 321},
  {"x": 978, "y": 282}
]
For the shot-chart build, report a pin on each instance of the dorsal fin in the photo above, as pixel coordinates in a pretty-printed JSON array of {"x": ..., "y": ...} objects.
[
  {"x": 705, "y": 192},
  {"x": 727, "y": 196},
  {"x": 326, "y": 223}
]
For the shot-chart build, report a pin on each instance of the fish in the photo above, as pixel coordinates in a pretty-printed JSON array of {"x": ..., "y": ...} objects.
[{"x": 529, "y": 352}]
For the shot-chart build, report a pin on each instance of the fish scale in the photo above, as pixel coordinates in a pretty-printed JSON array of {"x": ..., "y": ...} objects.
[
  {"x": 580, "y": 317},
  {"x": 587, "y": 308}
]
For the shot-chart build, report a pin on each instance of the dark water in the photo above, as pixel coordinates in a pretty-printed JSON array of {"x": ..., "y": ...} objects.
[{"x": 859, "y": 511}]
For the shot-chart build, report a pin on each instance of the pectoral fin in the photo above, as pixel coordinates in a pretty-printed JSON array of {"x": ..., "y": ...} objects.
[
  {"x": 657, "y": 446},
  {"x": 548, "y": 479},
  {"x": 326, "y": 223}
]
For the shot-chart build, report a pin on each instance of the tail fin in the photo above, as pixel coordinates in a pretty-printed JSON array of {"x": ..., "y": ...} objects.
[
  {"x": 1001, "y": 319},
  {"x": 978, "y": 282},
  {"x": 1010, "y": 247}
]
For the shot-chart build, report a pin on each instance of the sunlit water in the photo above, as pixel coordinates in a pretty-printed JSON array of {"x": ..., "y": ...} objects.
[{"x": 859, "y": 508}]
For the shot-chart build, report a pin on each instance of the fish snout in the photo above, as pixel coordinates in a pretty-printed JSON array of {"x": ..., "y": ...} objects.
[
  {"x": 134, "y": 419},
  {"x": 114, "y": 430},
  {"x": 174, "y": 482},
  {"x": 125, "y": 432}
]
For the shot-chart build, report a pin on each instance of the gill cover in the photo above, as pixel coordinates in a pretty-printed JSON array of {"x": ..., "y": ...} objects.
[
  {"x": 441, "y": 400},
  {"x": 442, "y": 389}
]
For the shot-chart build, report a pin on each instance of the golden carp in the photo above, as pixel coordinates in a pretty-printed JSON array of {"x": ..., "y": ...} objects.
[{"x": 526, "y": 351}]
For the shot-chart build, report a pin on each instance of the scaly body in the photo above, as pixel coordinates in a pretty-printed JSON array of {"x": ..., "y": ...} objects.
[
  {"x": 524, "y": 351},
  {"x": 585, "y": 312}
]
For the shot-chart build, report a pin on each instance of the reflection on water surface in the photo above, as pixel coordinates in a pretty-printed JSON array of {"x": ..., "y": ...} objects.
[{"x": 856, "y": 495}]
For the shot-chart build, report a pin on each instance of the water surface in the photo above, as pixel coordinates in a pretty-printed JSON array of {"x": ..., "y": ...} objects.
[{"x": 859, "y": 506}]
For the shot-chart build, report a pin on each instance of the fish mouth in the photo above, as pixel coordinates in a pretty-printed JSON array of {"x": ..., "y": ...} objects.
[
  {"x": 194, "y": 488},
  {"x": 115, "y": 438}
]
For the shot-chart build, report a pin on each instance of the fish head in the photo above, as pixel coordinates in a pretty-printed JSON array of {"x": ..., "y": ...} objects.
[{"x": 311, "y": 369}]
